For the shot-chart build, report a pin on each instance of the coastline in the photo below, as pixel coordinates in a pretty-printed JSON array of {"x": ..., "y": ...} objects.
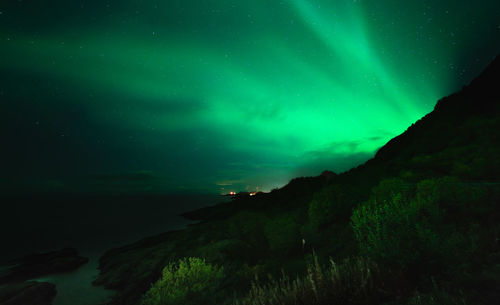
[{"x": 76, "y": 287}]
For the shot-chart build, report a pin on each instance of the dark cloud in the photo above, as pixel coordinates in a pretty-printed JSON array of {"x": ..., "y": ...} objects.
[
  {"x": 127, "y": 182},
  {"x": 174, "y": 106},
  {"x": 140, "y": 176},
  {"x": 338, "y": 156},
  {"x": 336, "y": 162},
  {"x": 345, "y": 147},
  {"x": 265, "y": 111}
]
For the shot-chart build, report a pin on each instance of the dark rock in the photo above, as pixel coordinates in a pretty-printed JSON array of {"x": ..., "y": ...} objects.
[
  {"x": 36, "y": 265},
  {"x": 328, "y": 175},
  {"x": 27, "y": 293}
]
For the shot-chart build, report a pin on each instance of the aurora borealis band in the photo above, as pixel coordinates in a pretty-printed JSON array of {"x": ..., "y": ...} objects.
[{"x": 222, "y": 95}]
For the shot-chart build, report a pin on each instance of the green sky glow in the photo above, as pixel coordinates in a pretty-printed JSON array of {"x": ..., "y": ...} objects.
[{"x": 229, "y": 94}]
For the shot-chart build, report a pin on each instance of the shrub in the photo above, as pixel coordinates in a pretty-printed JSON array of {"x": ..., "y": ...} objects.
[
  {"x": 189, "y": 281},
  {"x": 411, "y": 231},
  {"x": 282, "y": 233},
  {"x": 389, "y": 231},
  {"x": 452, "y": 195},
  {"x": 439, "y": 190},
  {"x": 248, "y": 227},
  {"x": 332, "y": 203},
  {"x": 387, "y": 188},
  {"x": 221, "y": 251}
]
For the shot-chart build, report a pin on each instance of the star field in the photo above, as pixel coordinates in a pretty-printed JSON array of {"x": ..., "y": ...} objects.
[{"x": 223, "y": 95}]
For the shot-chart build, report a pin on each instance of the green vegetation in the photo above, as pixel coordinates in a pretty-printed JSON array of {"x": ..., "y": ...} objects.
[
  {"x": 437, "y": 297},
  {"x": 395, "y": 227},
  {"x": 190, "y": 281},
  {"x": 283, "y": 235},
  {"x": 332, "y": 203},
  {"x": 392, "y": 248},
  {"x": 440, "y": 230},
  {"x": 354, "y": 281}
]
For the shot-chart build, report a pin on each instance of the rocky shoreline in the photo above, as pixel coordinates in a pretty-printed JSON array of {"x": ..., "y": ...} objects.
[{"x": 16, "y": 285}]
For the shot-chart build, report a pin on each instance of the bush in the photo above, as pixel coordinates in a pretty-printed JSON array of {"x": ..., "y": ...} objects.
[
  {"x": 387, "y": 188},
  {"x": 414, "y": 231},
  {"x": 189, "y": 281},
  {"x": 440, "y": 190},
  {"x": 283, "y": 234},
  {"x": 248, "y": 227},
  {"x": 455, "y": 197},
  {"x": 220, "y": 251},
  {"x": 390, "y": 232},
  {"x": 332, "y": 203}
]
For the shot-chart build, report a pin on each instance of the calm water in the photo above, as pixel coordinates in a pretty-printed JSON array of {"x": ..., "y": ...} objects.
[{"x": 92, "y": 225}]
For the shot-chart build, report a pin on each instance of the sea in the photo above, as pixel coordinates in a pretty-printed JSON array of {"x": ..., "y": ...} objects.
[{"x": 92, "y": 225}]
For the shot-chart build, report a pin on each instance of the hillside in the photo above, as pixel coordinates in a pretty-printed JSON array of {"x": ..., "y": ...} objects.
[{"x": 447, "y": 162}]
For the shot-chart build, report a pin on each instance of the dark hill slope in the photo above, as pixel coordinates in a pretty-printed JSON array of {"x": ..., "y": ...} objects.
[
  {"x": 441, "y": 128},
  {"x": 459, "y": 137}
]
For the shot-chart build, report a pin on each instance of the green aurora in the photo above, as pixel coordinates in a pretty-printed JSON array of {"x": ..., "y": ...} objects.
[{"x": 223, "y": 95}]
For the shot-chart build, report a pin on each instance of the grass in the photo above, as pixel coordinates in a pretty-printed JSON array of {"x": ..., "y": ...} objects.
[{"x": 353, "y": 281}]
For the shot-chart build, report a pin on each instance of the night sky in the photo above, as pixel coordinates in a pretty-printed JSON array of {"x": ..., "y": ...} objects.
[{"x": 219, "y": 95}]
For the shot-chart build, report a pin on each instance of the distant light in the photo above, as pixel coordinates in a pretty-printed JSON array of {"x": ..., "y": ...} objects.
[{"x": 232, "y": 193}]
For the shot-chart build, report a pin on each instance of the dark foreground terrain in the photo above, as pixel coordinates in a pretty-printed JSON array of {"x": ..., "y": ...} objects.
[{"x": 15, "y": 287}]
